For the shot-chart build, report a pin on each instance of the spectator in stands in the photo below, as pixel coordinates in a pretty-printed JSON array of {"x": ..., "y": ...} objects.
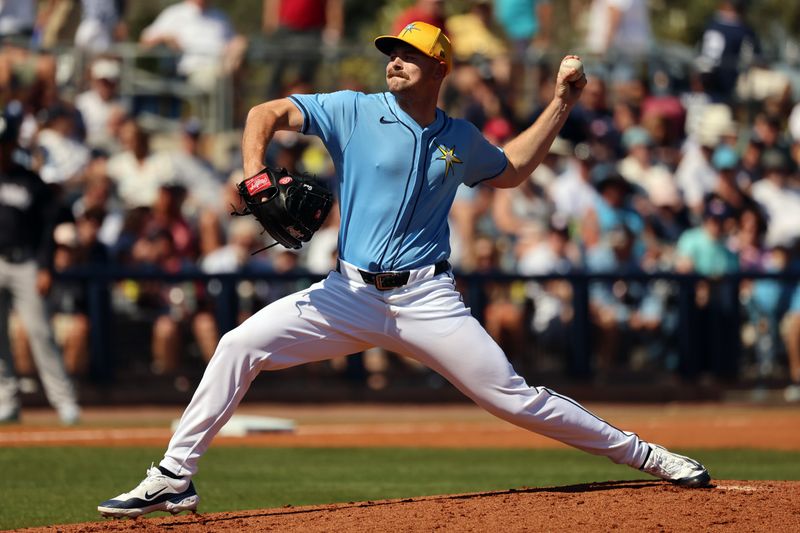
[
  {"x": 621, "y": 310},
  {"x": 63, "y": 156},
  {"x": 747, "y": 241},
  {"x": 322, "y": 252},
  {"x": 501, "y": 308},
  {"x": 300, "y": 28},
  {"x": 100, "y": 106},
  {"x": 167, "y": 214},
  {"x": 527, "y": 206},
  {"x": 593, "y": 119},
  {"x": 194, "y": 171},
  {"x": 619, "y": 33},
  {"x": 527, "y": 23},
  {"x": 102, "y": 24},
  {"x": 136, "y": 171},
  {"x": 778, "y": 196},
  {"x": 97, "y": 194},
  {"x": 551, "y": 300},
  {"x": 17, "y": 20},
  {"x": 430, "y": 11},
  {"x": 474, "y": 36},
  {"x": 68, "y": 300},
  {"x": 208, "y": 45},
  {"x": 26, "y": 74},
  {"x": 726, "y": 161},
  {"x": 703, "y": 249},
  {"x": 480, "y": 97},
  {"x": 573, "y": 193},
  {"x": 236, "y": 256},
  {"x": 768, "y": 129},
  {"x": 553, "y": 164},
  {"x": 727, "y": 45},
  {"x": 640, "y": 167},
  {"x": 695, "y": 174},
  {"x": 765, "y": 301},
  {"x": 666, "y": 216},
  {"x": 791, "y": 337},
  {"x": 27, "y": 220},
  {"x": 612, "y": 209}
]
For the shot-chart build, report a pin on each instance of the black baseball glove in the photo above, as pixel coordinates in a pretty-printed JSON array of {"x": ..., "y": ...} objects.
[{"x": 290, "y": 207}]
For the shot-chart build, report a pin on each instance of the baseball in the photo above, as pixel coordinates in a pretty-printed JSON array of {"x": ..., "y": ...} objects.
[{"x": 573, "y": 62}]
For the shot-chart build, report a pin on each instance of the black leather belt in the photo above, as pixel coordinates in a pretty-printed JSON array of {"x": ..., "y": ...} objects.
[{"x": 385, "y": 281}]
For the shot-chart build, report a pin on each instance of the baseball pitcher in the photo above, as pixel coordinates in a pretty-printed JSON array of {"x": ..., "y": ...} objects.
[{"x": 399, "y": 160}]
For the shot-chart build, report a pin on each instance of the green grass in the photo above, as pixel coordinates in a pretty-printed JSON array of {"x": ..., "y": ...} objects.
[{"x": 45, "y": 486}]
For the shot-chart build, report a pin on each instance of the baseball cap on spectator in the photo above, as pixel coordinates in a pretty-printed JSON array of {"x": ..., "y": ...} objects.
[
  {"x": 716, "y": 122},
  {"x": 606, "y": 175},
  {"x": 774, "y": 159},
  {"x": 715, "y": 208},
  {"x": 725, "y": 158},
  {"x": 636, "y": 136},
  {"x": 106, "y": 69},
  {"x": 193, "y": 127}
]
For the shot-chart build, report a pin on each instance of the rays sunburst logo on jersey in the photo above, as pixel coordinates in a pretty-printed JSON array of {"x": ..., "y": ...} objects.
[{"x": 449, "y": 157}]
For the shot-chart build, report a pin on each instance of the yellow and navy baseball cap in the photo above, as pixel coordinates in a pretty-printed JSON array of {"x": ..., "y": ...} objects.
[{"x": 425, "y": 37}]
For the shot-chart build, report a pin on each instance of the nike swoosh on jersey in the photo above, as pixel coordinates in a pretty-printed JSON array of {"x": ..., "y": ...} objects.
[
  {"x": 148, "y": 496},
  {"x": 384, "y": 121}
]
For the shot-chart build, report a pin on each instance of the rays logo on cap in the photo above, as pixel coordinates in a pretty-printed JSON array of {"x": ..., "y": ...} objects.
[{"x": 410, "y": 28}]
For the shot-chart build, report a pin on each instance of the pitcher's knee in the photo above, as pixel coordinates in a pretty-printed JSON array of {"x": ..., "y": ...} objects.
[{"x": 234, "y": 345}]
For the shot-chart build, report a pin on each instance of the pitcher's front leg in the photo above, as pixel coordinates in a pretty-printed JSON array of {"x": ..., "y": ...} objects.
[{"x": 288, "y": 332}]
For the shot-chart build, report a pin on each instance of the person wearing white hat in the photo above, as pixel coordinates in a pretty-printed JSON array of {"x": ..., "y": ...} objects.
[{"x": 100, "y": 106}]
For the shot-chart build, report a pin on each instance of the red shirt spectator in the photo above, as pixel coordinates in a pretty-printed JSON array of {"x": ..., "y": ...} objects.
[
  {"x": 430, "y": 11},
  {"x": 302, "y": 14}
]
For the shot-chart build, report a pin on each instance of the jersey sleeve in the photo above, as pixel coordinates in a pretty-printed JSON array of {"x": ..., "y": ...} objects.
[
  {"x": 486, "y": 161},
  {"x": 330, "y": 116}
]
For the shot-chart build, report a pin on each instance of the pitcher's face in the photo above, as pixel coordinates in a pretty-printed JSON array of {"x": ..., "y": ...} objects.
[{"x": 408, "y": 68}]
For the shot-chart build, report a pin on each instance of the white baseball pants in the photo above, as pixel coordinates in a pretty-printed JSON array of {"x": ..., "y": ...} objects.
[
  {"x": 425, "y": 320},
  {"x": 19, "y": 280}
]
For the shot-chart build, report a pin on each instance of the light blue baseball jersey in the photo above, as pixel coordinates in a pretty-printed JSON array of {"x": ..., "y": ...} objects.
[{"x": 397, "y": 180}]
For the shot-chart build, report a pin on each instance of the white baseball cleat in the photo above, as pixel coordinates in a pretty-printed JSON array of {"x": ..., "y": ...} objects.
[
  {"x": 156, "y": 492},
  {"x": 675, "y": 468}
]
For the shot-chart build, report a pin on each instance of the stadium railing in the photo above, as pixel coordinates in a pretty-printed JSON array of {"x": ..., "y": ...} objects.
[{"x": 707, "y": 344}]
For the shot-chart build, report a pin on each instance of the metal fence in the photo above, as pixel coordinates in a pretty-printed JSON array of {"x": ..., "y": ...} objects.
[{"x": 699, "y": 333}]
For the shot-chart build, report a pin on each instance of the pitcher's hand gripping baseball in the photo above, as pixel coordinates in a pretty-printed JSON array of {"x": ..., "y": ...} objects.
[
  {"x": 570, "y": 80},
  {"x": 291, "y": 207}
]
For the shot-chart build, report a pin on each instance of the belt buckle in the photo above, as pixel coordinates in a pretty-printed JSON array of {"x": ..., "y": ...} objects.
[{"x": 385, "y": 281}]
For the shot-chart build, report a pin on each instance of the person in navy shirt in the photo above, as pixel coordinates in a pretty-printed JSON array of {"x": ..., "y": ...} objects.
[{"x": 727, "y": 46}]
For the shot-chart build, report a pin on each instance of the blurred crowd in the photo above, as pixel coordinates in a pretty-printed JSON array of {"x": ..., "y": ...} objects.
[{"x": 659, "y": 169}]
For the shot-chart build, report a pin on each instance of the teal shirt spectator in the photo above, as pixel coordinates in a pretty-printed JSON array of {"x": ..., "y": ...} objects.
[
  {"x": 709, "y": 257},
  {"x": 518, "y": 18}
]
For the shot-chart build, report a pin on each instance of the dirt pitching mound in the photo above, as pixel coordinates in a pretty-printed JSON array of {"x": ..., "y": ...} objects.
[{"x": 615, "y": 505}]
